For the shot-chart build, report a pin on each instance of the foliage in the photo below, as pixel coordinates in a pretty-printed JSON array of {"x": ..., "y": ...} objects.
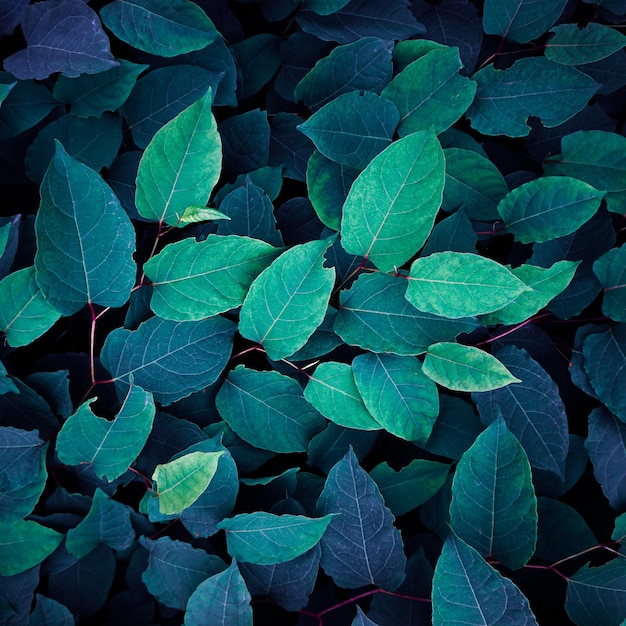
[{"x": 312, "y": 312}]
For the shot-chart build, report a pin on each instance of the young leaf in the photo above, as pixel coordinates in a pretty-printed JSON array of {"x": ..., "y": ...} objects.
[
  {"x": 181, "y": 165},
  {"x": 24, "y": 544},
  {"x": 610, "y": 269},
  {"x": 391, "y": 206},
  {"x": 288, "y": 300},
  {"x": 193, "y": 214},
  {"x": 464, "y": 368},
  {"x": 78, "y": 211},
  {"x": 571, "y": 45}
]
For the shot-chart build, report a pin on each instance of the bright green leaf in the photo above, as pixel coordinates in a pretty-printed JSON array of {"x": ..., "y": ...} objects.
[{"x": 24, "y": 544}]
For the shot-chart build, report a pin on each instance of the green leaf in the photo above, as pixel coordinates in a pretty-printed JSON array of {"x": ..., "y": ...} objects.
[
  {"x": 530, "y": 87},
  {"x": 78, "y": 211},
  {"x": 170, "y": 359},
  {"x": 333, "y": 392},
  {"x": 353, "y": 128},
  {"x": 494, "y": 507},
  {"x": 402, "y": 399},
  {"x": 466, "y": 590},
  {"x": 268, "y": 410},
  {"x": 430, "y": 93},
  {"x": 162, "y": 27},
  {"x": 194, "y": 214},
  {"x": 181, "y": 164},
  {"x": 193, "y": 280},
  {"x": 572, "y": 45},
  {"x": 549, "y": 207},
  {"x": 266, "y": 539},
  {"x": 182, "y": 481},
  {"x": 610, "y": 269},
  {"x": 110, "y": 446},
  {"x": 465, "y": 368},
  {"x": 459, "y": 284},
  {"x": 25, "y": 314},
  {"x": 391, "y": 206},
  {"x": 24, "y": 544},
  {"x": 288, "y": 300}
]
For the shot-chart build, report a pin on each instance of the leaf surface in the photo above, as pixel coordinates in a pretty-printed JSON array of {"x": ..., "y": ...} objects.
[
  {"x": 571, "y": 45},
  {"x": 24, "y": 544},
  {"x": 610, "y": 270}
]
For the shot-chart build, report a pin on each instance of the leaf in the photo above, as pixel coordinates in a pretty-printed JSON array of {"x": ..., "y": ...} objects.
[
  {"x": 246, "y": 142},
  {"x": 530, "y": 87},
  {"x": 571, "y": 45},
  {"x": 333, "y": 392},
  {"x": 468, "y": 590},
  {"x": 181, "y": 165},
  {"x": 458, "y": 284},
  {"x": 258, "y": 59},
  {"x": 494, "y": 507},
  {"x": 48, "y": 612},
  {"x": 595, "y": 595},
  {"x": 353, "y": 128},
  {"x": 325, "y": 7},
  {"x": 221, "y": 600},
  {"x": 159, "y": 27},
  {"x": 77, "y": 211},
  {"x": 10, "y": 14},
  {"x": 430, "y": 93},
  {"x": 361, "y": 619},
  {"x": 402, "y": 399},
  {"x": 464, "y": 368},
  {"x": 181, "y": 482},
  {"x": 49, "y": 49},
  {"x": 288, "y": 146},
  {"x": 170, "y": 359},
  {"x": 24, "y": 544},
  {"x": 288, "y": 300},
  {"x": 391, "y": 206},
  {"x": 194, "y": 214},
  {"x": 194, "y": 280},
  {"x": 454, "y": 233},
  {"x": 266, "y": 539},
  {"x": 360, "y": 546},
  {"x": 5, "y": 90},
  {"x": 25, "y": 314},
  {"x": 110, "y": 446},
  {"x": 521, "y": 20},
  {"x": 268, "y": 410},
  {"x": 610, "y": 269}
]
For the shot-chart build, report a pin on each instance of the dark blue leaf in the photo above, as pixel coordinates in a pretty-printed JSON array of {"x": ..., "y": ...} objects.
[
  {"x": 10, "y": 15},
  {"x": 361, "y": 619},
  {"x": 609, "y": 72},
  {"x": 121, "y": 178},
  {"x": 16, "y": 596},
  {"x": 49, "y": 612},
  {"x": 288, "y": 146},
  {"x": 245, "y": 142},
  {"x": 27, "y": 410},
  {"x": 455, "y": 233},
  {"x": 298, "y": 222},
  {"x": 258, "y": 59},
  {"x": 53, "y": 387}
]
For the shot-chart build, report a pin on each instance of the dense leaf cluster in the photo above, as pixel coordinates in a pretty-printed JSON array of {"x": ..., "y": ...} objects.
[{"x": 312, "y": 312}]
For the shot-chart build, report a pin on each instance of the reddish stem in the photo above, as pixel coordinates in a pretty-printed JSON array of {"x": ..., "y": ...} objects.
[{"x": 512, "y": 330}]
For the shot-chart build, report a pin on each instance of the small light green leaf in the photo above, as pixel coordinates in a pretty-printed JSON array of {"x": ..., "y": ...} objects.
[
  {"x": 181, "y": 164},
  {"x": 163, "y": 27},
  {"x": 288, "y": 300},
  {"x": 110, "y": 446},
  {"x": 402, "y": 399},
  {"x": 182, "y": 481},
  {"x": 430, "y": 93},
  {"x": 572, "y": 45},
  {"x": 78, "y": 212},
  {"x": 610, "y": 269},
  {"x": 193, "y": 214},
  {"x": 24, "y": 544},
  {"x": 391, "y": 206},
  {"x": 193, "y": 280},
  {"x": 266, "y": 539},
  {"x": 465, "y": 368},
  {"x": 461, "y": 284}
]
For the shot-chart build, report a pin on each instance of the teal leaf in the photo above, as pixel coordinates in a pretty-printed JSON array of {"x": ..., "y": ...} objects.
[
  {"x": 181, "y": 165},
  {"x": 460, "y": 284},
  {"x": 269, "y": 178},
  {"x": 391, "y": 206},
  {"x": 25, "y": 314},
  {"x": 288, "y": 146},
  {"x": 610, "y": 270},
  {"x": 158, "y": 26},
  {"x": 170, "y": 359},
  {"x": 430, "y": 93},
  {"x": 24, "y": 544},
  {"x": 325, "y": 7},
  {"x": 530, "y": 87},
  {"x": 375, "y": 315},
  {"x": 49, "y": 612},
  {"x": 267, "y": 539},
  {"x": 246, "y": 142},
  {"x": 494, "y": 507},
  {"x": 288, "y": 300},
  {"x": 454, "y": 233},
  {"x": 107, "y": 522},
  {"x": 78, "y": 211},
  {"x": 401, "y": 398},
  {"x": 572, "y": 45},
  {"x": 465, "y": 368},
  {"x": 596, "y": 596},
  {"x": 258, "y": 58},
  {"x": 468, "y": 590},
  {"x": 361, "y": 546},
  {"x": 194, "y": 280},
  {"x": 268, "y": 410},
  {"x": 110, "y": 446},
  {"x": 331, "y": 389},
  {"x": 521, "y": 20},
  {"x": 221, "y": 600}
]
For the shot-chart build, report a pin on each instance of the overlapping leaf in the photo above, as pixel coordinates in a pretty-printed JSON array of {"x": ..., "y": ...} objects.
[
  {"x": 610, "y": 270},
  {"x": 572, "y": 45},
  {"x": 24, "y": 544}
]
